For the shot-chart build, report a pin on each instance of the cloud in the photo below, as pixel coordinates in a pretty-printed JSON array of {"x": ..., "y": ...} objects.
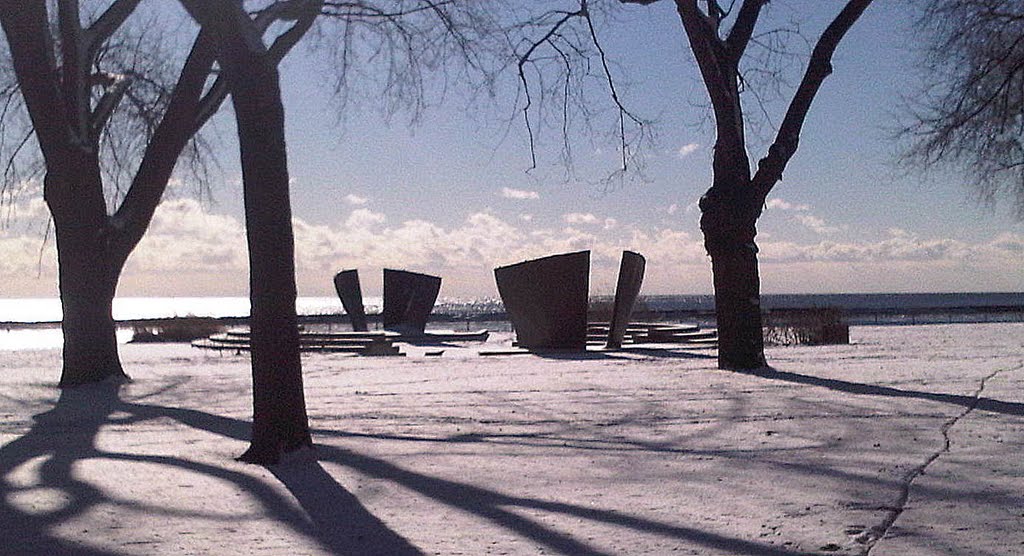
[
  {"x": 816, "y": 224},
  {"x": 895, "y": 248},
  {"x": 518, "y": 194},
  {"x": 810, "y": 221},
  {"x": 1009, "y": 242},
  {"x": 184, "y": 237},
  {"x": 189, "y": 251},
  {"x": 672, "y": 208},
  {"x": 579, "y": 218},
  {"x": 779, "y": 204},
  {"x": 364, "y": 219},
  {"x": 687, "y": 149},
  {"x": 355, "y": 199}
]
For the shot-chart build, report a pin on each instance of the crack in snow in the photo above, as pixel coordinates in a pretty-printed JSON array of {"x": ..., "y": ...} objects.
[{"x": 872, "y": 535}]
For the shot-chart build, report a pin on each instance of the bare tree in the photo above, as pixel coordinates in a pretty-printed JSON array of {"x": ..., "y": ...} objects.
[
  {"x": 70, "y": 98},
  {"x": 88, "y": 99},
  {"x": 969, "y": 115},
  {"x": 280, "y": 423},
  {"x": 719, "y": 34}
]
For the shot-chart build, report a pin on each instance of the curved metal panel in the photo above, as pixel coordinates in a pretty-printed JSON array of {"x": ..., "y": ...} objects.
[
  {"x": 346, "y": 283},
  {"x": 631, "y": 276},
  {"x": 546, "y": 300},
  {"x": 409, "y": 298}
]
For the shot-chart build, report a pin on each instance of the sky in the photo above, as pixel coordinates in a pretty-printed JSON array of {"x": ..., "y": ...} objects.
[{"x": 453, "y": 193}]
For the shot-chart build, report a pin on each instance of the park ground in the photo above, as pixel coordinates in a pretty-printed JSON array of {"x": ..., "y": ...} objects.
[{"x": 908, "y": 441}]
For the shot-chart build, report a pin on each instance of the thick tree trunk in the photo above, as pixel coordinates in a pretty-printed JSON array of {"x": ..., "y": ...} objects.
[
  {"x": 280, "y": 423},
  {"x": 738, "y": 306},
  {"x": 88, "y": 276},
  {"x": 87, "y": 295},
  {"x": 729, "y": 227}
]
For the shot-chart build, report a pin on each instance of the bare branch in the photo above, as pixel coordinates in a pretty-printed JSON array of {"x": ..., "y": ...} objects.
[
  {"x": 105, "y": 25},
  {"x": 211, "y": 101},
  {"x": 526, "y": 58},
  {"x": 117, "y": 86},
  {"x": 28, "y": 37},
  {"x": 623, "y": 112},
  {"x": 739, "y": 36},
  {"x": 969, "y": 114},
  {"x": 770, "y": 168},
  {"x": 183, "y": 116},
  {"x": 304, "y": 15}
]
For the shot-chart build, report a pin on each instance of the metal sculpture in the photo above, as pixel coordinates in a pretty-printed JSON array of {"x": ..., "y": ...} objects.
[
  {"x": 546, "y": 300},
  {"x": 346, "y": 283},
  {"x": 631, "y": 276},
  {"x": 409, "y": 298}
]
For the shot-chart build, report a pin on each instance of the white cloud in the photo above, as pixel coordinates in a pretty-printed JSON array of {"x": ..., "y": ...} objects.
[
  {"x": 355, "y": 199},
  {"x": 779, "y": 204},
  {"x": 1009, "y": 242},
  {"x": 579, "y": 218},
  {"x": 672, "y": 208},
  {"x": 526, "y": 217},
  {"x": 687, "y": 149},
  {"x": 183, "y": 237},
  {"x": 518, "y": 194},
  {"x": 364, "y": 219},
  {"x": 815, "y": 223},
  {"x": 897, "y": 248},
  {"x": 189, "y": 251}
]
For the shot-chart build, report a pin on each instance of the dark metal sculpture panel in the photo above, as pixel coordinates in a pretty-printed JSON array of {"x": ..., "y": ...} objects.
[
  {"x": 409, "y": 298},
  {"x": 631, "y": 276},
  {"x": 546, "y": 300},
  {"x": 346, "y": 283}
]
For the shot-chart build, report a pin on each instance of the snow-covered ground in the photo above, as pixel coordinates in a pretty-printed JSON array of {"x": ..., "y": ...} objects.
[{"x": 909, "y": 441}]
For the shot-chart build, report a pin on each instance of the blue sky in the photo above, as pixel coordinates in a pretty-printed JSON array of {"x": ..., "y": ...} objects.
[{"x": 451, "y": 194}]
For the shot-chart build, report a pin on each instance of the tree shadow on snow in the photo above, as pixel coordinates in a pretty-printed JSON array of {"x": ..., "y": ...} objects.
[
  {"x": 64, "y": 436},
  {"x": 331, "y": 516},
  {"x": 620, "y": 354},
  {"x": 971, "y": 402}
]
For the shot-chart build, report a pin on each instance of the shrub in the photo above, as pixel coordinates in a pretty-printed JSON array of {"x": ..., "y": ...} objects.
[{"x": 815, "y": 326}]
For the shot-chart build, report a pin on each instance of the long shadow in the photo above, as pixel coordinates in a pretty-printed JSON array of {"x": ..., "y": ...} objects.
[
  {"x": 983, "y": 403},
  {"x": 589, "y": 355},
  {"x": 338, "y": 516},
  {"x": 65, "y": 435},
  {"x": 321, "y": 503},
  {"x": 493, "y": 505},
  {"x": 312, "y": 487}
]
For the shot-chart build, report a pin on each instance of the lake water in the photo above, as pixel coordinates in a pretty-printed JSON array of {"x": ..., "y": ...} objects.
[{"x": 898, "y": 308}]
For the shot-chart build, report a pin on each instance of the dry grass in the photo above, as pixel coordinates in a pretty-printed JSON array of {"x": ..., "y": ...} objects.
[{"x": 816, "y": 326}]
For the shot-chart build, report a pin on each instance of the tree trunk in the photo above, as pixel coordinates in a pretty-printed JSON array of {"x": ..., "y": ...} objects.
[
  {"x": 87, "y": 295},
  {"x": 88, "y": 277},
  {"x": 729, "y": 227},
  {"x": 280, "y": 423},
  {"x": 738, "y": 307}
]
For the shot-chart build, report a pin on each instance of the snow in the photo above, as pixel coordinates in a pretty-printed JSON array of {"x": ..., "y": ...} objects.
[{"x": 627, "y": 453}]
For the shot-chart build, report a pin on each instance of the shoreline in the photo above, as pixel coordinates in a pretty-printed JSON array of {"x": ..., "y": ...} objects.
[{"x": 853, "y": 317}]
